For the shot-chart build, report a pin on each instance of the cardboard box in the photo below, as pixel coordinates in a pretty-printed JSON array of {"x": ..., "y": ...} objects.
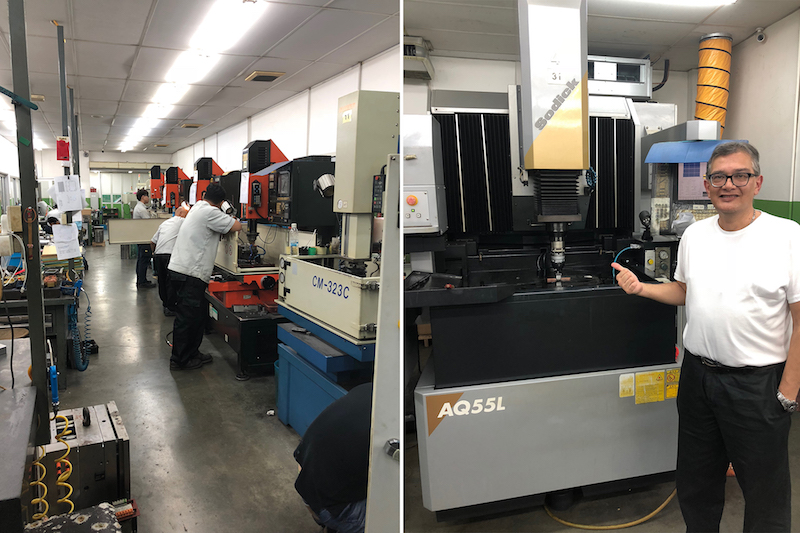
[{"x": 15, "y": 218}]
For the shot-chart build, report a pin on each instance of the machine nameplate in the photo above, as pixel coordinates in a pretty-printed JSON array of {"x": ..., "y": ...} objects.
[
  {"x": 336, "y": 289},
  {"x": 463, "y": 407},
  {"x": 213, "y": 313},
  {"x": 649, "y": 387}
]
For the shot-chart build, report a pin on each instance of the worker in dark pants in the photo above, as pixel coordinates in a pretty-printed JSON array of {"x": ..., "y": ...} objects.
[
  {"x": 162, "y": 243},
  {"x": 190, "y": 269},
  {"x": 144, "y": 253},
  {"x": 333, "y": 457}
]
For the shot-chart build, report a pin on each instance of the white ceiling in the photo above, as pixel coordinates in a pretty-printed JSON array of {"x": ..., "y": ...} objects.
[
  {"x": 622, "y": 28},
  {"x": 117, "y": 53}
]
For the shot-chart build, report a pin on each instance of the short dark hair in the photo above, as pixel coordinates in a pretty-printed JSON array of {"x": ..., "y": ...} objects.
[
  {"x": 142, "y": 192},
  {"x": 214, "y": 194},
  {"x": 735, "y": 147}
]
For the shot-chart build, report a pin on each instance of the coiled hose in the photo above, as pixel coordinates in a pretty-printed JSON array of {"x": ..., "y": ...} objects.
[
  {"x": 80, "y": 358},
  {"x": 41, "y": 499},
  {"x": 87, "y": 327},
  {"x": 62, "y": 462}
]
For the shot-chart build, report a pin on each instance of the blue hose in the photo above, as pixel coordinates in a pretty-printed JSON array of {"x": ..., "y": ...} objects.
[
  {"x": 613, "y": 271},
  {"x": 87, "y": 326}
]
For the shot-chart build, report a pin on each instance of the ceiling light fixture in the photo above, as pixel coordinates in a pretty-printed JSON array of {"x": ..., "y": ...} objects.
[
  {"x": 170, "y": 93},
  {"x": 157, "y": 111},
  {"x": 225, "y": 23},
  {"x": 691, "y": 3},
  {"x": 191, "y": 66}
]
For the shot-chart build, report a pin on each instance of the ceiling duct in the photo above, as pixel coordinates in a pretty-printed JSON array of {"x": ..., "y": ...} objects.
[
  {"x": 713, "y": 78},
  {"x": 260, "y": 75},
  {"x": 416, "y": 58},
  {"x": 191, "y": 126}
]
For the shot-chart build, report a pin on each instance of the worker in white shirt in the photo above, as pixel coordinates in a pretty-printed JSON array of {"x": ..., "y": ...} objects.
[
  {"x": 162, "y": 243},
  {"x": 190, "y": 270},
  {"x": 144, "y": 253}
]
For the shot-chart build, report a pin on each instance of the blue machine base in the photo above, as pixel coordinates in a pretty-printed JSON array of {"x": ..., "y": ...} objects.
[
  {"x": 303, "y": 391},
  {"x": 359, "y": 352}
]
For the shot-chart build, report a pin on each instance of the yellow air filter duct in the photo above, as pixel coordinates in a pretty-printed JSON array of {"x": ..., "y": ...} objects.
[{"x": 713, "y": 78}]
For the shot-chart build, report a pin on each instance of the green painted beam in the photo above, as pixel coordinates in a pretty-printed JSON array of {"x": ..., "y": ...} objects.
[{"x": 790, "y": 210}]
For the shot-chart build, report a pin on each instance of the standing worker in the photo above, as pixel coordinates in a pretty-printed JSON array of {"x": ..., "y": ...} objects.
[
  {"x": 144, "y": 253},
  {"x": 162, "y": 243},
  {"x": 738, "y": 274},
  {"x": 189, "y": 272}
]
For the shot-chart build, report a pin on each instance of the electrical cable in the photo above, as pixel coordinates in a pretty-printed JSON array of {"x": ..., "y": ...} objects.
[
  {"x": 166, "y": 338},
  {"x": 38, "y": 483},
  {"x": 615, "y": 526},
  {"x": 11, "y": 359},
  {"x": 66, "y": 473}
]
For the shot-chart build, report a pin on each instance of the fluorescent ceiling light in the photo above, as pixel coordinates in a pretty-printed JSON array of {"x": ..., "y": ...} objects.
[
  {"x": 170, "y": 93},
  {"x": 690, "y": 3},
  {"x": 157, "y": 111},
  {"x": 191, "y": 66},
  {"x": 225, "y": 23},
  {"x": 37, "y": 143}
]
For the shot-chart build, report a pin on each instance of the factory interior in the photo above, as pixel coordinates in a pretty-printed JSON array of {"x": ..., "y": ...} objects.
[{"x": 225, "y": 223}]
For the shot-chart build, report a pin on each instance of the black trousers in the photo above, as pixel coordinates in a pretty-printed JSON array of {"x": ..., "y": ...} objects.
[
  {"x": 732, "y": 416},
  {"x": 143, "y": 256},
  {"x": 190, "y": 314},
  {"x": 165, "y": 290}
]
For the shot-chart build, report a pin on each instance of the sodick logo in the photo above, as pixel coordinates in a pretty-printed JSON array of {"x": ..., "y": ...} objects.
[
  {"x": 557, "y": 101},
  {"x": 444, "y": 406}
]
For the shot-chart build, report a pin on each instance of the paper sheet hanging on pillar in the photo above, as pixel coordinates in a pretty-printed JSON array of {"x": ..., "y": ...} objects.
[
  {"x": 193, "y": 194},
  {"x": 67, "y": 193},
  {"x": 65, "y": 237}
]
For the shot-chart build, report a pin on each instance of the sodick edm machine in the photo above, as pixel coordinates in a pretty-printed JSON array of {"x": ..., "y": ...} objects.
[
  {"x": 546, "y": 379},
  {"x": 332, "y": 299}
]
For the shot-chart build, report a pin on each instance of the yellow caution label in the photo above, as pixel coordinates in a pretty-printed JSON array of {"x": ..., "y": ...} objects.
[
  {"x": 347, "y": 116},
  {"x": 673, "y": 377},
  {"x": 649, "y": 387},
  {"x": 626, "y": 385}
]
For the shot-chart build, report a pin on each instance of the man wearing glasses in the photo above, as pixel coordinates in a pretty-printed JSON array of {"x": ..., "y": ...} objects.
[{"x": 738, "y": 274}]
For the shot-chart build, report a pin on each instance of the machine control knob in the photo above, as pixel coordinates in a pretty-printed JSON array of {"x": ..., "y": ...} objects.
[
  {"x": 663, "y": 266},
  {"x": 419, "y": 215},
  {"x": 411, "y": 200},
  {"x": 408, "y": 215}
]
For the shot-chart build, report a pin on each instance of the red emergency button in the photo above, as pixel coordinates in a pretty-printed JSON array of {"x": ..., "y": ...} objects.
[{"x": 411, "y": 200}]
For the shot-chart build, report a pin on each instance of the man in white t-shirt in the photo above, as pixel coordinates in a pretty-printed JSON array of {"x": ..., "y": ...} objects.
[
  {"x": 190, "y": 270},
  {"x": 162, "y": 243},
  {"x": 144, "y": 253},
  {"x": 738, "y": 274}
]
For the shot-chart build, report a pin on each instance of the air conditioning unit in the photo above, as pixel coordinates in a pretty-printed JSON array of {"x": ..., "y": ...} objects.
[{"x": 416, "y": 58}]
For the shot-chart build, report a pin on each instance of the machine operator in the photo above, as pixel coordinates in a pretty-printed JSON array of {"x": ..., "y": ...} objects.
[
  {"x": 144, "y": 253},
  {"x": 162, "y": 243},
  {"x": 738, "y": 274},
  {"x": 190, "y": 270},
  {"x": 333, "y": 457}
]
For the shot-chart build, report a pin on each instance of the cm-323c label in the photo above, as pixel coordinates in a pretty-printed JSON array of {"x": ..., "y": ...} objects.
[{"x": 333, "y": 288}]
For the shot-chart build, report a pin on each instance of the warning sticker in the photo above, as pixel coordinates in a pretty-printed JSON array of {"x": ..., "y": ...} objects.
[
  {"x": 649, "y": 387},
  {"x": 673, "y": 377},
  {"x": 347, "y": 116},
  {"x": 626, "y": 385}
]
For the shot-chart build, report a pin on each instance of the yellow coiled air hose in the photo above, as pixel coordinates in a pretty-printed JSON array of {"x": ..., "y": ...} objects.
[
  {"x": 65, "y": 465},
  {"x": 713, "y": 78},
  {"x": 38, "y": 483}
]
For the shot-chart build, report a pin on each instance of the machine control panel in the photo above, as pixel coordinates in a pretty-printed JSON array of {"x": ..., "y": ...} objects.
[
  {"x": 416, "y": 211},
  {"x": 658, "y": 262},
  {"x": 255, "y": 194}
]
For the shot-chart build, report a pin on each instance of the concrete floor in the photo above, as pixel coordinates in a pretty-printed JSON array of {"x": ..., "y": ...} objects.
[
  {"x": 613, "y": 509},
  {"x": 205, "y": 456}
]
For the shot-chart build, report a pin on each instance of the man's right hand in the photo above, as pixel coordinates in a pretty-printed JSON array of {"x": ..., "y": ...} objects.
[{"x": 627, "y": 280}]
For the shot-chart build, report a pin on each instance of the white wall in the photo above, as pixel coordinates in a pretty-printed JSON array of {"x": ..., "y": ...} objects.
[
  {"x": 458, "y": 74},
  {"x": 762, "y": 106},
  {"x": 680, "y": 89},
  {"x": 304, "y": 124}
]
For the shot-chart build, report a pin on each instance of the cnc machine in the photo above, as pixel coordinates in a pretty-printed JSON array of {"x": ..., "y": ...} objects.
[{"x": 546, "y": 379}]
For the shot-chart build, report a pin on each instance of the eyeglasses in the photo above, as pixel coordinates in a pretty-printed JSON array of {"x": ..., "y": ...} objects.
[{"x": 739, "y": 179}]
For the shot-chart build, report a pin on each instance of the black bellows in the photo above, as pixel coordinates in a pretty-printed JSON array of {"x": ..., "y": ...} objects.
[
  {"x": 611, "y": 152},
  {"x": 477, "y": 172}
]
